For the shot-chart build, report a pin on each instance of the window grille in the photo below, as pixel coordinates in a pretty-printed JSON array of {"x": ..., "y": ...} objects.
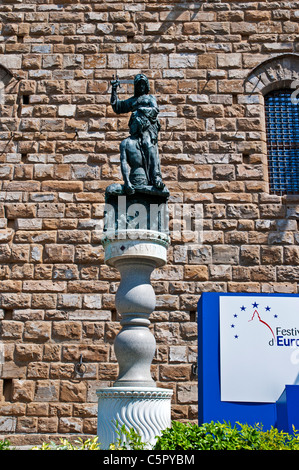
[{"x": 282, "y": 127}]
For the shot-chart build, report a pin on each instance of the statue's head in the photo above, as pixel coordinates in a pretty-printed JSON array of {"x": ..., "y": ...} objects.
[{"x": 141, "y": 85}]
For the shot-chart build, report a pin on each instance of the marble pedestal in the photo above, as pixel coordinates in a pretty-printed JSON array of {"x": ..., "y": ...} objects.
[
  {"x": 134, "y": 400},
  {"x": 146, "y": 409}
]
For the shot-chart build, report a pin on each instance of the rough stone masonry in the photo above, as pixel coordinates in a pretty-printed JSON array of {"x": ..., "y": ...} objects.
[{"x": 208, "y": 63}]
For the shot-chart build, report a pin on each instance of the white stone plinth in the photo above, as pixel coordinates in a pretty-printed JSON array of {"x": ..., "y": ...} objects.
[{"x": 146, "y": 409}]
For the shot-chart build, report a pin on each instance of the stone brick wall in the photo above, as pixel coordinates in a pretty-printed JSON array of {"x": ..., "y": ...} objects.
[{"x": 59, "y": 143}]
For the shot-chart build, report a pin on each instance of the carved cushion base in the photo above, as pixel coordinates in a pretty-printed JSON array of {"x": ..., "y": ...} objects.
[{"x": 147, "y": 410}]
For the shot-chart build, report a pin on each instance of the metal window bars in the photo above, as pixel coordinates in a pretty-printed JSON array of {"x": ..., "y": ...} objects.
[{"x": 282, "y": 129}]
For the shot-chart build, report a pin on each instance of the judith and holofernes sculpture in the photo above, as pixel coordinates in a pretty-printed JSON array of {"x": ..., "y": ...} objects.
[
  {"x": 139, "y": 155},
  {"x": 141, "y": 202}
]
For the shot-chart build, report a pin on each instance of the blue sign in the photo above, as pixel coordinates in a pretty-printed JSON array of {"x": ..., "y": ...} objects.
[{"x": 247, "y": 357}]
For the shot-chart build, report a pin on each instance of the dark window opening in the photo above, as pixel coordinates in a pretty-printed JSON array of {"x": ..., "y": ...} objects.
[
  {"x": 282, "y": 129},
  {"x": 25, "y": 99},
  {"x": 7, "y": 389},
  {"x": 8, "y": 313}
]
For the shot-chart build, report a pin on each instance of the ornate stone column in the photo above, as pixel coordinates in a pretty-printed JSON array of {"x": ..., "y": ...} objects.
[{"x": 135, "y": 300}]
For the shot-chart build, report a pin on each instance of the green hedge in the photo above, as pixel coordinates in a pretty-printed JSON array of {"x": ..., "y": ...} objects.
[
  {"x": 222, "y": 436},
  {"x": 188, "y": 436}
]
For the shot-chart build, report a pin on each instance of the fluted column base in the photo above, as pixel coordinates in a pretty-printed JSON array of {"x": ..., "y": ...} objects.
[{"x": 146, "y": 409}]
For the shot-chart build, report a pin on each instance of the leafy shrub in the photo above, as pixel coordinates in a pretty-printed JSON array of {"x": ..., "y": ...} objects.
[
  {"x": 89, "y": 444},
  {"x": 222, "y": 436},
  {"x": 5, "y": 445},
  {"x": 127, "y": 439}
]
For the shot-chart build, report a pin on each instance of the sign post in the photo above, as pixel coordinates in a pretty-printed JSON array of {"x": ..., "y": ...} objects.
[{"x": 248, "y": 355}]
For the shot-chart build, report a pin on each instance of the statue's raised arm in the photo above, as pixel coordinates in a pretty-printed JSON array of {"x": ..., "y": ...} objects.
[{"x": 118, "y": 106}]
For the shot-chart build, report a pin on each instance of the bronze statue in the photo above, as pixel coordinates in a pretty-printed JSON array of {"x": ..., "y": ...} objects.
[{"x": 139, "y": 151}]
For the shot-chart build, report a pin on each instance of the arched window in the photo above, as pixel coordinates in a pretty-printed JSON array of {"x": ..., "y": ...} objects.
[{"x": 282, "y": 131}]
